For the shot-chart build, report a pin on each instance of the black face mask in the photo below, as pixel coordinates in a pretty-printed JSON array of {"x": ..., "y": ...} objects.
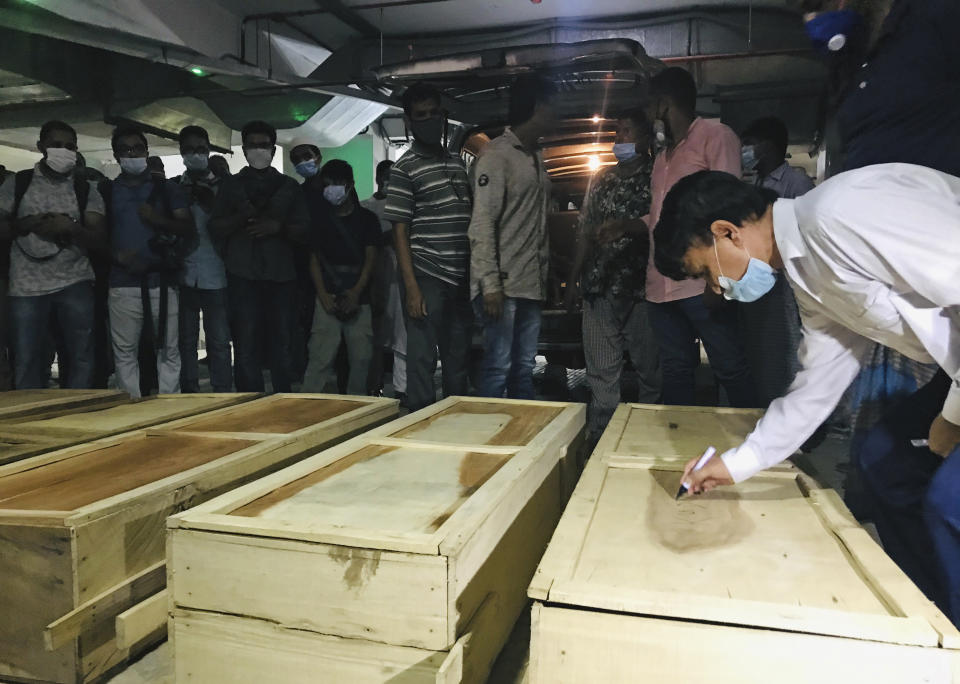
[{"x": 428, "y": 131}]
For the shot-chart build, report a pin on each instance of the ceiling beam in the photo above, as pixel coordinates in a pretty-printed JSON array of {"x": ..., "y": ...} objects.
[{"x": 349, "y": 17}]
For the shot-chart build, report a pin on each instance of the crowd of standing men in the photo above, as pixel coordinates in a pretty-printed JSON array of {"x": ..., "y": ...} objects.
[{"x": 117, "y": 273}]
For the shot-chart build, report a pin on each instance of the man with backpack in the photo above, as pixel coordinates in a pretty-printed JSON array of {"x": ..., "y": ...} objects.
[
  {"x": 151, "y": 230},
  {"x": 51, "y": 217},
  {"x": 203, "y": 282},
  {"x": 259, "y": 220},
  {"x": 346, "y": 237}
]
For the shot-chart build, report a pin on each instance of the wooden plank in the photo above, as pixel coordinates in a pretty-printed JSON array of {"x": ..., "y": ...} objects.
[
  {"x": 36, "y": 587},
  {"x": 488, "y": 600},
  {"x": 684, "y": 431},
  {"x": 565, "y": 546},
  {"x": 488, "y": 423},
  {"x": 894, "y": 586},
  {"x": 442, "y": 446},
  {"x": 17, "y": 403},
  {"x": 104, "y": 473},
  {"x": 224, "y": 649},
  {"x": 350, "y": 592},
  {"x": 123, "y": 416},
  {"x": 105, "y": 606},
  {"x": 910, "y": 631},
  {"x": 276, "y": 414},
  {"x": 137, "y": 623},
  {"x": 573, "y": 646}
]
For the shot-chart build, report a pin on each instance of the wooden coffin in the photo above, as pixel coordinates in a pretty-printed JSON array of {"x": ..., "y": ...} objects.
[
  {"x": 771, "y": 580},
  {"x": 56, "y": 425},
  {"x": 402, "y": 555},
  {"x": 82, "y": 530}
]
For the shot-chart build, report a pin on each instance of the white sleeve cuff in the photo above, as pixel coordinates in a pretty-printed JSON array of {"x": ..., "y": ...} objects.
[
  {"x": 951, "y": 407},
  {"x": 742, "y": 462}
]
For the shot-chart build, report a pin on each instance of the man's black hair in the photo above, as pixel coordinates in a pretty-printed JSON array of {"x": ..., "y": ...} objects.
[
  {"x": 125, "y": 130},
  {"x": 384, "y": 166},
  {"x": 691, "y": 207},
  {"x": 677, "y": 84},
  {"x": 55, "y": 125},
  {"x": 525, "y": 94},
  {"x": 195, "y": 131},
  {"x": 337, "y": 170},
  {"x": 770, "y": 129},
  {"x": 638, "y": 117},
  {"x": 261, "y": 127},
  {"x": 313, "y": 148},
  {"x": 419, "y": 92}
]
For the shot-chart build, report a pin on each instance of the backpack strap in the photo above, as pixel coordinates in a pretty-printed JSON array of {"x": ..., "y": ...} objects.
[
  {"x": 21, "y": 182},
  {"x": 81, "y": 187}
]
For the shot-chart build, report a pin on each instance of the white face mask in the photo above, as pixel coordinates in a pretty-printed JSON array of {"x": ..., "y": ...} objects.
[
  {"x": 196, "y": 161},
  {"x": 259, "y": 158},
  {"x": 61, "y": 160},
  {"x": 133, "y": 166}
]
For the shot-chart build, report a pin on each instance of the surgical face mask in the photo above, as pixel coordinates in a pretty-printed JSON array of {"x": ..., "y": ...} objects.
[
  {"x": 133, "y": 166},
  {"x": 307, "y": 168},
  {"x": 335, "y": 194},
  {"x": 748, "y": 157},
  {"x": 428, "y": 131},
  {"x": 756, "y": 282},
  {"x": 60, "y": 159},
  {"x": 830, "y": 31},
  {"x": 196, "y": 161},
  {"x": 259, "y": 158},
  {"x": 625, "y": 151}
]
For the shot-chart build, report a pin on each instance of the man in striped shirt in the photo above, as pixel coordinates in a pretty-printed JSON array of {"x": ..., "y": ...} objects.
[{"x": 429, "y": 203}]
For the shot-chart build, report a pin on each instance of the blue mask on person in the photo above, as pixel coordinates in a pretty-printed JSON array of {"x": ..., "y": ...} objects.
[
  {"x": 335, "y": 194},
  {"x": 830, "y": 31},
  {"x": 756, "y": 282},
  {"x": 307, "y": 169},
  {"x": 625, "y": 151}
]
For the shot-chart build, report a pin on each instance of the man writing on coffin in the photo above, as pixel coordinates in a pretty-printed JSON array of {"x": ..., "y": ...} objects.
[{"x": 872, "y": 255}]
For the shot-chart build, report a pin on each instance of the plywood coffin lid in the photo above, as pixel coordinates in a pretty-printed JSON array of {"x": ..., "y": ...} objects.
[
  {"x": 770, "y": 552},
  {"x": 406, "y": 486}
]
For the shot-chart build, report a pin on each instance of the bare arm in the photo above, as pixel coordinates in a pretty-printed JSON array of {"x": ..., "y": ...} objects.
[
  {"x": 326, "y": 301},
  {"x": 416, "y": 307}
]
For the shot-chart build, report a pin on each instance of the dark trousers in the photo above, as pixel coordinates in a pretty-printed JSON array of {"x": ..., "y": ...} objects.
[
  {"x": 914, "y": 496},
  {"x": 677, "y": 326},
  {"x": 216, "y": 328},
  {"x": 447, "y": 327},
  {"x": 31, "y": 342},
  {"x": 256, "y": 306}
]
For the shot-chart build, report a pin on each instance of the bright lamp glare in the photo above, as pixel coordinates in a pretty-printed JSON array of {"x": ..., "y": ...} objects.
[
  {"x": 593, "y": 163},
  {"x": 596, "y": 119}
]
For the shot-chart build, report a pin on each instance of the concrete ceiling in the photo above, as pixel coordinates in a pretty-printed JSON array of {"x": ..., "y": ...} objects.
[{"x": 310, "y": 63}]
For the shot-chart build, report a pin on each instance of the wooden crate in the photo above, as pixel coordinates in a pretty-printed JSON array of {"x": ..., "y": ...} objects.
[
  {"x": 402, "y": 555},
  {"x": 82, "y": 530},
  {"x": 771, "y": 580},
  {"x": 58, "y": 425}
]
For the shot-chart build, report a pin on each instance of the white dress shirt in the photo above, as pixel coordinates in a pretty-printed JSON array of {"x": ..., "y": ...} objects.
[{"x": 872, "y": 255}]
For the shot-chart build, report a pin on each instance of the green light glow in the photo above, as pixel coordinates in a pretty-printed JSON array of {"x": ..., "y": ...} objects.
[{"x": 197, "y": 71}]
